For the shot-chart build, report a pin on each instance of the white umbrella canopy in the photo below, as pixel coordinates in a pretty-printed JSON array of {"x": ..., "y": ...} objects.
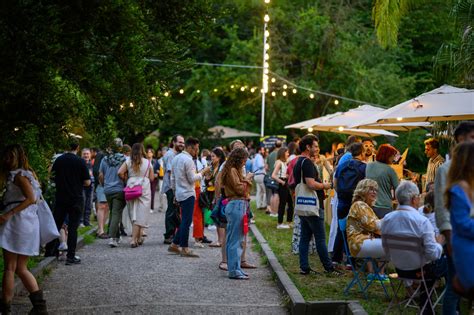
[
  {"x": 311, "y": 122},
  {"x": 357, "y": 132},
  {"x": 227, "y": 132},
  {"x": 442, "y": 104},
  {"x": 397, "y": 127}
]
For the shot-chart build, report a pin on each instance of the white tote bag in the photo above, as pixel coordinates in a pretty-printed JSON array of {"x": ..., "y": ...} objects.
[
  {"x": 48, "y": 229},
  {"x": 306, "y": 199}
]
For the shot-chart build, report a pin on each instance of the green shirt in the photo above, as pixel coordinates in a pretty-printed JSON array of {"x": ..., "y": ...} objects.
[
  {"x": 387, "y": 180},
  {"x": 271, "y": 159}
]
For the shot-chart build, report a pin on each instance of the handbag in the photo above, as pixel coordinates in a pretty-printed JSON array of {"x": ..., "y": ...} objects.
[
  {"x": 270, "y": 183},
  {"x": 306, "y": 199},
  {"x": 48, "y": 228},
  {"x": 136, "y": 191},
  {"x": 217, "y": 214}
]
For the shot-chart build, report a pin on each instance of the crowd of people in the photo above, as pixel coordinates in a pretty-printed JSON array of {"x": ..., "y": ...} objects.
[{"x": 124, "y": 185}]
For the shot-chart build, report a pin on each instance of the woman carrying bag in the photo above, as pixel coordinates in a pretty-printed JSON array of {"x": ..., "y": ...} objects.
[{"x": 138, "y": 172}]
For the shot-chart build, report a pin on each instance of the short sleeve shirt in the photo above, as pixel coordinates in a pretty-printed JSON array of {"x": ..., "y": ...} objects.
[{"x": 70, "y": 172}]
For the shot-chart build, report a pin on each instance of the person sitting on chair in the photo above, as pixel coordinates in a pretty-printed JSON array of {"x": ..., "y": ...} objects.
[
  {"x": 363, "y": 226},
  {"x": 407, "y": 221}
]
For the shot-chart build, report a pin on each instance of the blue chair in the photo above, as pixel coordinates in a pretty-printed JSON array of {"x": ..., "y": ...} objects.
[{"x": 359, "y": 273}]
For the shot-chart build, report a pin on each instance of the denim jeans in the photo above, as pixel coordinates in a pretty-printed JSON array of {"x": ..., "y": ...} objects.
[
  {"x": 88, "y": 196},
  {"x": 451, "y": 299},
  {"x": 234, "y": 212},
  {"x": 343, "y": 207},
  {"x": 172, "y": 219},
  {"x": 314, "y": 225},
  {"x": 116, "y": 204},
  {"x": 181, "y": 238}
]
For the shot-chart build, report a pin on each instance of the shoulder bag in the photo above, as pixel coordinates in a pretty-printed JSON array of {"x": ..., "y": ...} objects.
[
  {"x": 136, "y": 191},
  {"x": 306, "y": 199}
]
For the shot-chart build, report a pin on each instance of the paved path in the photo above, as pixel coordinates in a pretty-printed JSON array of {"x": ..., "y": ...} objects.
[{"x": 148, "y": 280}]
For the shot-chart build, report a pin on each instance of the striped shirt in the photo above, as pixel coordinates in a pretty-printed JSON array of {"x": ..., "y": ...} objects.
[{"x": 433, "y": 164}]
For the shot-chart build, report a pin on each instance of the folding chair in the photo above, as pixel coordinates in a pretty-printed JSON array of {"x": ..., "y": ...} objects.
[
  {"x": 359, "y": 274},
  {"x": 415, "y": 245}
]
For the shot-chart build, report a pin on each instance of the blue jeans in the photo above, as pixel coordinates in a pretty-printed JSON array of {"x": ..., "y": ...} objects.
[
  {"x": 343, "y": 206},
  {"x": 314, "y": 225},
  {"x": 234, "y": 212},
  {"x": 451, "y": 299},
  {"x": 181, "y": 237}
]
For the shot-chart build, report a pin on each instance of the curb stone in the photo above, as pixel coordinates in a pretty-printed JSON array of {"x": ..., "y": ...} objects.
[
  {"x": 48, "y": 262},
  {"x": 298, "y": 303}
]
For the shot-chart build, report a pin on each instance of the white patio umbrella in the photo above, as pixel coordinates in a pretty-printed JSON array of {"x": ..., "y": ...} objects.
[
  {"x": 227, "y": 132},
  {"x": 311, "y": 122},
  {"x": 441, "y": 104}
]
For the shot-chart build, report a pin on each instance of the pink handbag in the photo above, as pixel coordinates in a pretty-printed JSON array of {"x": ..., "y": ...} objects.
[{"x": 136, "y": 191}]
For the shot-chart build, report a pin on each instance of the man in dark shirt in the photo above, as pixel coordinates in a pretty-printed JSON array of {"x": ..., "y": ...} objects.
[
  {"x": 71, "y": 175},
  {"x": 311, "y": 224}
]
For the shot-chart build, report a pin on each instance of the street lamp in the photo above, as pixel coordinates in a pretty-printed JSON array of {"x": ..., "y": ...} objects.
[{"x": 266, "y": 66}]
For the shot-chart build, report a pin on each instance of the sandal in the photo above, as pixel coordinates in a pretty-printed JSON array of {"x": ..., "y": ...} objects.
[
  {"x": 223, "y": 266},
  {"x": 217, "y": 244},
  {"x": 140, "y": 241},
  {"x": 102, "y": 236},
  {"x": 246, "y": 265},
  {"x": 133, "y": 245}
]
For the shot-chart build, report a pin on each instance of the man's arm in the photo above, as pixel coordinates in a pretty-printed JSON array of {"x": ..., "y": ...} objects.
[
  {"x": 432, "y": 249},
  {"x": 443, "y": 220}
]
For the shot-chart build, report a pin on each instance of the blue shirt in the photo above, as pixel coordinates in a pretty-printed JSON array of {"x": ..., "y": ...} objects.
[
  {"x": 343, "y": 161},
  {"x": 170, "y": 154},
  {"x": 109, "y": 168},
  {"x": 258, "y": 165}
]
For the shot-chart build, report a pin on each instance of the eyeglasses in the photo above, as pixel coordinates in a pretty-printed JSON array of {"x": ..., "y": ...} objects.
[{"x": 374, "y": 190}]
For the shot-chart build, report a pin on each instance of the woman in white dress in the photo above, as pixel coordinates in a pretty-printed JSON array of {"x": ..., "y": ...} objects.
[
  {"x": 138, "y": 171},
  {"x": 19, "y": 227}
]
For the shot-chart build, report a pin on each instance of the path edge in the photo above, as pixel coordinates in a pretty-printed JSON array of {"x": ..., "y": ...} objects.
[
  {"x": 48, "y": 262},
  {"x": 298, "y": 305}
]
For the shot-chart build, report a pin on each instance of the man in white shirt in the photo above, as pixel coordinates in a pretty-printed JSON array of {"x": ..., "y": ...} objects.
[
  {"x": 407, "y": 221},
  {"x": 258, "y": 168},
  {"x": 183, "y": 178}
]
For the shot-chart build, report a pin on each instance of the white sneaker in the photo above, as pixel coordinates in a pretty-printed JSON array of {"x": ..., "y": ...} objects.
[
  {"x": 62, "y": 246},
  {"x": 113, "y": 243},
  {"x": 199, "y": 245},
  {"x": 151, "y": 211},
  {"x": 211, "y": 228},
  {"x": 252, "y": 221},
  {"x": 283, "y": 226},
  {"x": 274, "y": 215}
]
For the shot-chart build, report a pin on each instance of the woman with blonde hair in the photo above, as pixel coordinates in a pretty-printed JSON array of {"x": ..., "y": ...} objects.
[
  {"x": 459, "y": 200},
  {"x": 280, "y": 175},
  {"x": 138, "y": 171},
  {"x": 363, "y": 225},
  {"x": 19, "y": 227}
]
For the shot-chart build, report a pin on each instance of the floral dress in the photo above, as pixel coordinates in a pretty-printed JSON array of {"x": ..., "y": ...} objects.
[
  {"x": 21, "y": 234},
  {"x": 362, "y": 224}
]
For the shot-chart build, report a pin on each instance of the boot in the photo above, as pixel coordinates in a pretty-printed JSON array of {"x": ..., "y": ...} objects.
[
  {"x": 39, "y": 304},
  {"x": 5, "y": 308}
]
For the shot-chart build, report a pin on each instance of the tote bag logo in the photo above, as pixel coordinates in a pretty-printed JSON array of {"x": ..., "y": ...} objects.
[{"x": 300, "y": 200}]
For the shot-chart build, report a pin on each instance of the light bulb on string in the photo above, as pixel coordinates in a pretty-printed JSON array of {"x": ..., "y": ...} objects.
[
  {"x": 215, "y": 90},
  {"x": 267, "y": 1},
  {"x": 131, "y": 104},
  {"x": 153, "y": 98},
  {"x": 336, "y": 102},
  {"x": 267, "y": 34},
  {"x": 198, "y": 91},
  {"x": 266, "y": 18},
  {"x": 166, "y": 94},
  {"x": 294, "y": 91},
  {"x": 285, "y": 86},
  {"x": 267, "y": 46},
  {"x": 310, "y": 129},
  {"x": 265, "y": 77},
  {"x": 340, "y": 128},
  {"x": 252, "y": 90},
  {"x": 284, "y": 93},
  {"x": 266, "y": 65},
  {"x": 242, "y": 88},
  {"x": 232, "y": 86},
  {"x": 273, "y": 80},
  {"x": 266, "y": 71},
  {"x": 181, "y": 91},
  {"x": 399, "y": 118},
  {"x": 274, "y": 93},
  {"x": 266, "y": 57},
  {"x": 311, "y": 95}
]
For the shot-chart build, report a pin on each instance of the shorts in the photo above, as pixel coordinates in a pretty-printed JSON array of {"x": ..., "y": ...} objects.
[{"x": 100, "y": 194}]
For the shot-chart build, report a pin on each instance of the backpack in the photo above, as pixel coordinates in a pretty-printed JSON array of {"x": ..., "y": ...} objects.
[
  {"x": 289, "y": 172},
  {"x": 349, "y": 177}
]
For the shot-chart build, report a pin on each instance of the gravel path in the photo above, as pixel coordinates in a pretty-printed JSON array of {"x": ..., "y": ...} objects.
[{"x": 149, "y": 280}]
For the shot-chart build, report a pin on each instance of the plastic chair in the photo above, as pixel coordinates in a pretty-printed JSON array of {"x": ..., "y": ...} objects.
[
  {"x": 359, "y": 274},
  {"x": 415, "y": 245}
]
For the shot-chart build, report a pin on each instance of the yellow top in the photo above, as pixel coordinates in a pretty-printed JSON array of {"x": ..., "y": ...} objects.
[{"x": 362, "y": 224}]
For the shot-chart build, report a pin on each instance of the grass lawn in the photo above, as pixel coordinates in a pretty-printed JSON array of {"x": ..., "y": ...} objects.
[{"x": 314, "y": 287}]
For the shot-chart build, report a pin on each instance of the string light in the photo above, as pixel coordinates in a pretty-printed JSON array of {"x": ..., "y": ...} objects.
[
  {"x": 265, "y": 64},
  {"x": 340, "y": 128},
  {"x": 267, "y": 1},
  {"x": 267, "y": 34},
  {"x": 167, "y": 94},
  {"x": 310, "y": 129},
  {"x": 285, "y": 86},
  {"x": 399, "y": 118},
  {"x": 294, "y": 91},
  {"x": 242, "y": 88},
  {"x": 267, "y": 56},
  {"x": 121, "y": 106},
  {"x": 267, "y": 46},
  {"x": 336, "y": 102},
  {"x": 273, "y": 80},
  {"x": 274, "y": 93},
  {"x": 232, "y": 86},
  {"x": 284, "y": 93},
  {"x": 215, "y": 90},
  {"x": 198, "y": 91},
  {"x": 266, "y": 18},
  {"x": 252, "y": 90},
  {"x": 153, "y": 98},
  {"x": 181, "y": 91},
  {"x": 311, "y": 95},
  {"x": 266, "y": 71},
  {"x": 131, "y": 104}
]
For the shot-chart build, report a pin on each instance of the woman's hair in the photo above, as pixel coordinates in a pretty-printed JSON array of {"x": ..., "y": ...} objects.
[
  {"x": 138, "y": 152},
  {"x": 281, "y": 154},
  {"x": 220, "y": 154},
  {"x": 384, "y": 152},
  {"x": 235, "y": 160},
  {"x": 293, "y": 148},
  {"x": 461, "y": 168},
  {"x": 13, "y": 157},
  {"x": 362, "y": 189}
]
